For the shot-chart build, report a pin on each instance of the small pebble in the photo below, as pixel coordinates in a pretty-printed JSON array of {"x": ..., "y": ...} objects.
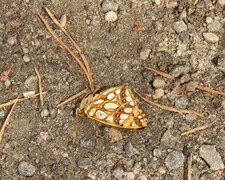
[
  {"x": 215, "y": 26},
  {"x": 162, "y": 170},
  {"x": 181, "y": 103},
  {"x": 157, "y": 152},
  {"x": 145, "y": 53},
  {"x": 84, "y": 163},
  {"x": 63, "y": 20},
  {"x": 101, "y": 164},
  {"x": 211, "y": 37},
  {"x": 111, "y": 16},
  {"x": 2, "y": 114},
  {"x": 174, "y": 160},
  {"x": 179, "y": 70},
  {"x": 169, "y": 139},
  {"x": 26, "y": 169},
  {"x": 26, "y": 58},
  {"x": 30, "y": 82},
  {"x": 179, "y": 26},
  {"x": 157, "y": 2},
  {"x": 209, "y": 20},
  {"x": 159, "y": 83},
  {"x": 87, "y": 143},
  {"x": 53, "y": 113},
  {"x": 212, "y": 157},
  {"x": 130, "y": 150},
  {"x": 7, "y": 83},
  {"x": 11, "y": 40},
  {"x": 158, "y": 93},
  {"x": 129, "y": 175},
  {"x": 118, "y": 173},
  {"x": 108, "y": 5},
  {"x": 44, "y": 113},
  {"x": 25, "y": 50}
]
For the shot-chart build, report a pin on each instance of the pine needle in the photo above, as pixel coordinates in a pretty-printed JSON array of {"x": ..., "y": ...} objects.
[
  {"x": 39, "y": 86},
  {"x": 194, "y": 130}
]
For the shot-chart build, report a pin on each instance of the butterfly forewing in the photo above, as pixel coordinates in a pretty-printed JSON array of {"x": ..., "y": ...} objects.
[{"x": 116, "y": 107}]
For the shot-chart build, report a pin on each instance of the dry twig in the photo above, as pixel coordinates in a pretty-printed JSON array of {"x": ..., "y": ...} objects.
[
  {"x": 84, "y": 66},
  {"x": 72, "y": 97},
  {"x": 19, "y": 100},
  {"x": 2, "y": 130},
  {"x": 39, "y": 86},
  {"x": 168, "y": 76},
  {"x": 189, "y": 169},
  {"x": 170, "y": 108},
  {"x": 210, "y": 90},
  {"x": 194, "y": 130}
]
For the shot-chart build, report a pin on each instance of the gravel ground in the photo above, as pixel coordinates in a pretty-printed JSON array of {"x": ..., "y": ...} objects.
[{"x": 119, "y": 38}]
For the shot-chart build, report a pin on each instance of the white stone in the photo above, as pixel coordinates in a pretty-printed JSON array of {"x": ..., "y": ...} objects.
[
  {"x": 211, "y": 37},
  {"x": 111, "y": 16},
  {"x": 26, "y": 58}
]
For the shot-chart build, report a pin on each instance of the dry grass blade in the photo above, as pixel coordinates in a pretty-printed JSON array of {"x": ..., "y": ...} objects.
[
  {"x": 85, "y": 61},
  {"x": 194, "y": 130},
  {"x": 168, "y": 76},
  {"x": 189, "y": 167},
  {"x": 19, "y": 100},
  {"x": 202, "y": 88},
  {"x": 39, "y": 86},
  {"x": 67, "y": 48},
  {"x": 72, "y": 97},
  {"x": 2, "y": 130},
  {"x": 170, "y": 108}
]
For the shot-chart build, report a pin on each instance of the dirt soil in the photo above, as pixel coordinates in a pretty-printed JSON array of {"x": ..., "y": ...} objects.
[{"x": 181, "y": 38}]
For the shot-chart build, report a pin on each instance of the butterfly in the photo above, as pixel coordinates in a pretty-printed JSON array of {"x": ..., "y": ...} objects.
[{"x": 115, "y": 107}]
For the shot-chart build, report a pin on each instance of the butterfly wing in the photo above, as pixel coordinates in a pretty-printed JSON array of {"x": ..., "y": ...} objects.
[{"x": 116, "y": 107}]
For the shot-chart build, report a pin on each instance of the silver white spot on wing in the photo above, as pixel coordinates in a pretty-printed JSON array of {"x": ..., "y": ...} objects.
[
  {"x": 117, "y": 91},
  {"x": 128, "y": 98},
  {"x": 121, "y": 121},
  {"x": 127, "y": 93},
  {"x": 110, "y": 96},
  {"x": 108, "y": 106},
  {"x": 124, "y": 116},
  {"x": 128, "y": 110},
  {"x": 109, "y": 119},
  {"x": 132, "y": 103},
  {"x": 99, "y": 101},
  {"x": 92, "y": 112},
  {"x": 101, "y": 114}
]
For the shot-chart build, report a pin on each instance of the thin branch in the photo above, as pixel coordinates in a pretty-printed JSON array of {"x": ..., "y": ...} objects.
[
  {"x": 210, "y": 90},
  {"x": 67, "y": 48},
  {"x": 39, "y": 86},
  {"x": 5, "y": 123},
  {"x": 72, "y": 97},
  {"x": 168, "y": 76},
  {"x": 194, "y": 130},
  {"x": 19, "y": 100},
  {"x": 189, "y": 169},
  {"x": 170, "y": 108},
  {"x": 85, "y": 61}
]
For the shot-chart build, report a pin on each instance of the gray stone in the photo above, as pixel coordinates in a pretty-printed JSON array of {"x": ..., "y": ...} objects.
[
  {"x": 159, "y": 83},
  {"x": 26, "y": 169},
  {"x": 111, "y": 16},
  {"x": 168, "y": 139},
  {"x": 7, "y": 83},
  {"x": 87, "y": 143},
  {"x": 211, "y": 37},
  {"x": 220, "y": 63},
  {"x": 157, "y": 152},
  {"x": 30, "y": 82},
  {"x": 101, "y": 164},
  {"x": 144, "y": 53},
  {"x": 174, "y": 160},
  {"x": 84, "y": 163},
  {"x": 108, "y": 5},
  {"x": 130, "y": 150},
  {"x": 211, "y": 156},
  {"x": 179, "y": 70},
  {"x": 179, "y": 26},
  {"x": 118, "y": 173},
  {"x": 158, "y": 93},
  {"x": 181, "y": 103},
  {"x": 215, "y": 26}
]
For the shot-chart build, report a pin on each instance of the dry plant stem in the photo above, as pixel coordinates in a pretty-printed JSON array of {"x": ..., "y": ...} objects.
[
  {"x": 72, "y": 97},
  {"x": 210, "y": 90},
  {"x": 168, "y": 76},
  {"x": 189, "y": 167},
  {"x": 7, "y": 120},
  {"x": 39, "y": 86},
  {"x": 19, "y": 100},
  {"x": 85, "y": 61},
  {"x": 170, "y": 108},
  {"x": 67, "y": 48},
  {"x": 194, "y": 130}
]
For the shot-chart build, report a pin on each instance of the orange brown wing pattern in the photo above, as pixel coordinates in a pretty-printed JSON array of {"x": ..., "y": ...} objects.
[{"x": 116, "y": 107}]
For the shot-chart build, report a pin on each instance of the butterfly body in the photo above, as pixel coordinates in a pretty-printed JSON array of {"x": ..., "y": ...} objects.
[{"x": 115, "y": 107}]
